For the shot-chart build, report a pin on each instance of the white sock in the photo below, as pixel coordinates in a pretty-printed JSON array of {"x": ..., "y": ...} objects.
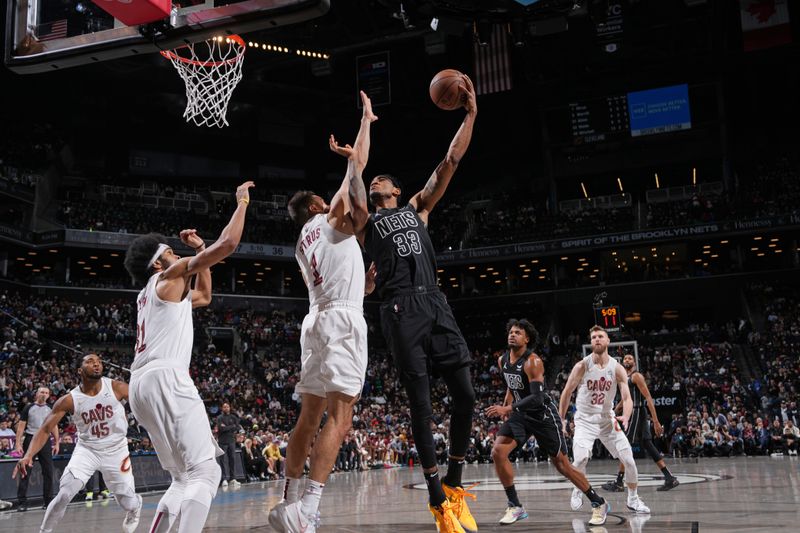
[
  {"x": 291, "y": 489},
  {"x": 310, "y": 501},
  {"x": 632, "y": 494}
]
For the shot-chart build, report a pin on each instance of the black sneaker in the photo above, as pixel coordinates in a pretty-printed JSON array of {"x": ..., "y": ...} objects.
[
  {"x": 22, "y": 508},
  {"x": 669, "y": 484},
  {"x": 613, "y": 486}
]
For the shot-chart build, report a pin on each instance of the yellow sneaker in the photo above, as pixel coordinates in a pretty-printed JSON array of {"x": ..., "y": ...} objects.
[
  {"x": 456, "y": 496},
  {"x": 446, "y": 521}
]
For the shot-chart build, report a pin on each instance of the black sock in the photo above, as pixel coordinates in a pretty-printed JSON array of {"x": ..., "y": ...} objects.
[
  {"x": 667, "y": 474},
  {"x": 511, "y": 494},
  {"x": 454, "y": 468},
  {"x": 435, "y": 492},
  {"x": 620, "y": 475},
  {"x": 595, "y": 498}
]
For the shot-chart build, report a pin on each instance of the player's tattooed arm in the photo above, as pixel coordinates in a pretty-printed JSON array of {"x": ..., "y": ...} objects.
[{"x": 425, "y": 200}]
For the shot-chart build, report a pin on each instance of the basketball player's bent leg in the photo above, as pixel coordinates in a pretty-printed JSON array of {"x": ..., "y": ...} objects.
[
  {"x": 82, "y": 465},
  {"x": 334, "y": 362},
  {"x": 166, "y": 402},
  {"x": 504, "y": 444},
  {"x": 615, "y": 441},
  {"x": 311, "y": 411},
  {"x": 118, "y": 477}
]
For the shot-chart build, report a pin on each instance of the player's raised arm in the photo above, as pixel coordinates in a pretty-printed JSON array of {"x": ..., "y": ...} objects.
[
  {"x": 425, "y": 200},
  {"x": 349, "y": 208},
  {"x": 201, "y": 294},
  {"x": 572, "y": 383},
  {"x": 62, "y": 406}
]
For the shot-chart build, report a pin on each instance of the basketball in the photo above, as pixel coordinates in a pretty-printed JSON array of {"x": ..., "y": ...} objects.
[{"x": 444, "y": 89}]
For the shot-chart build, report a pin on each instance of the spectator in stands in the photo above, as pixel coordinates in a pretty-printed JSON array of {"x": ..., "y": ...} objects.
[
  {"x": 791, "y": 437},
  {"x": 776, "y": 438},
  {"x": 254, "y": 463},
  {"x": 678, "y": 446}
]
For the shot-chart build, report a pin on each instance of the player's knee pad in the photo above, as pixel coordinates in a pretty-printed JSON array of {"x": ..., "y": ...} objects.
[
  {"x": 202, "y": 482},
  {"x": 631, "y": 472},
  {"x": 69, "y": 486},
  {"x": 129, "y": 502},
  {"x": 581, "y": 457}
]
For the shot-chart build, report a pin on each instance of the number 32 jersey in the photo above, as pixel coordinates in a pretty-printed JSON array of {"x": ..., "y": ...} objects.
[
  {"x": 100, "y": 420},
  {"x": 598, "y": 388},
  {"x": 399, "y": 243},
  {"x": 331, "y": 264}
]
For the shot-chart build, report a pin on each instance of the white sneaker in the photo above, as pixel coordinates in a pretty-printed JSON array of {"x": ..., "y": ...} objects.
[
  {"x": 5, "y": 505},
  {"x": 289, "y": 518},
  {"x": 235, "y": 484},
  {"x": 638, "y": 506},
  {"x": 576, "y": 500},
  {"x": 224, "y": 483},
  {"x": 513, "y": 514},
  {"x": 132, "y": 518},
  {"x": 599, "y": 514}
]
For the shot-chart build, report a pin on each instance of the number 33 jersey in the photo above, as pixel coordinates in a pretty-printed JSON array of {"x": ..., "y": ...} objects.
[
  {"x": 331, "y": 264},
  {"x": 100, "y": 419},
  {"x": 399, "y": 243}
]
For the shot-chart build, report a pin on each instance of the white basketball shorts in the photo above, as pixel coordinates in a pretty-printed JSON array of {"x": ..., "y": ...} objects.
[
  {"x": 114, "y": 464},
  {"x": 165, "y": 401},
  {"x": 333, "y": 345},
  {"x": 607, "y": 429}
]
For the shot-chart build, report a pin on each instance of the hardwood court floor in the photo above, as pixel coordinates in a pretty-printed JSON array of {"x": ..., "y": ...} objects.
[{"x": 752, "y": 494}]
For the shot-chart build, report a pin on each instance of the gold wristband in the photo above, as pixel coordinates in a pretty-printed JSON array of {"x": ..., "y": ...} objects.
[{"x": 245, "y": 200}]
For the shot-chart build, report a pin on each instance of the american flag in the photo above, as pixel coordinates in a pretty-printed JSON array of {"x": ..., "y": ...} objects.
[
  {"x": 492, "y": 66},
  {"x": 50, "y": 31}
]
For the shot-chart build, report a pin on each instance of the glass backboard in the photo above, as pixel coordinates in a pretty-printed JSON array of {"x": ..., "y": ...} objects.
[{"x": 43, "y": 35}]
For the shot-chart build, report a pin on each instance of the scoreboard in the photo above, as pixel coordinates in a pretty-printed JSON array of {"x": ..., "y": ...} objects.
[
  {"x": 609, "y": 317},
  {"x": 599, "y": 119}
]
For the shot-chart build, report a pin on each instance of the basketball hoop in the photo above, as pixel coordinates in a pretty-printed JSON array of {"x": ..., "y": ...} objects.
[{"x": 210, "y": 69}]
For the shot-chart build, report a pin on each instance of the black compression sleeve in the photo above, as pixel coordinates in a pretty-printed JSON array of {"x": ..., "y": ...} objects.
[{"x": 532, "y": 401}]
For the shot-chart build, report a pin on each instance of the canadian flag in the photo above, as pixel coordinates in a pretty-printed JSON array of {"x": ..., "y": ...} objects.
[{"x": 765, "y": 23}]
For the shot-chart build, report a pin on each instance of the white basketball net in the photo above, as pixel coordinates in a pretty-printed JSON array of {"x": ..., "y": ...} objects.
[{"x": 211, "y": 70}]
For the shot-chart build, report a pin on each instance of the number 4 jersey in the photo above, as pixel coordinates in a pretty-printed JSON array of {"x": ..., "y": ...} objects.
[
  {"x": 397, "y": 240},
  {"x": 100, "y": 419},
  {"x": 331, "y": 264}
]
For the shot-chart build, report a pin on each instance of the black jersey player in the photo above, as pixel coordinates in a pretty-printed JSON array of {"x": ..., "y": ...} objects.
[{"x": 531, "y": 411}]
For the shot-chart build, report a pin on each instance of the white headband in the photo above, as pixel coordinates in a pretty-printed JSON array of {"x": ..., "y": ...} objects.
[{"x": 161, "y": 249}]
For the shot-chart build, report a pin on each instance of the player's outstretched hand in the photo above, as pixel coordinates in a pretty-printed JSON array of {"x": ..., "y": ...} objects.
[
  {"x": 623, "y": 423},
  {"x": 467, "y": 91},
  {"x": 190, "y": 238},
  {"x": 22, "y": 467},
  {"x": 367, "y": 106},
  {"x": 344, "y": 151},
  {"x": 243, "y": 191}
]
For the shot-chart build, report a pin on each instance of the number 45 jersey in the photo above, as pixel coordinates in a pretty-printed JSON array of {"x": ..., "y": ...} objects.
[
  {"x": 100, "y": 419},
  {"x": 331, "y": 264}
]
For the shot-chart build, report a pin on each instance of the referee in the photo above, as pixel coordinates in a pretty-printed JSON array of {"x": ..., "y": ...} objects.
[{"x": 31, "y": 419}]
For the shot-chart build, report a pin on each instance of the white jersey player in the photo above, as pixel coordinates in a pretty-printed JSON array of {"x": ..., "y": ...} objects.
[
  {"x": 597, "y": 378},
  {"x": 333, "y": 340},
  {"x": 163, "y": 397},
  {"x": 98, "y": 414}
]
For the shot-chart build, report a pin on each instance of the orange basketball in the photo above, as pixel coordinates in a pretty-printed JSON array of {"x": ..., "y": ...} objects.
[{"x": 444, "y": 89}]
